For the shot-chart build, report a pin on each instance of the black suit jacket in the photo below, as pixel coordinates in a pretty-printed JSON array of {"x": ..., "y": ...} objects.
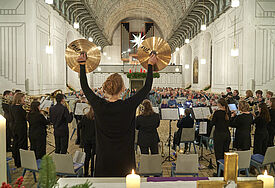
[{"x": 60, "y": 117}]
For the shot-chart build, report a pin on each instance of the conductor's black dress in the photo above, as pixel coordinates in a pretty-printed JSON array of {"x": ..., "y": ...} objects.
[{"x": 115, "y": 128}]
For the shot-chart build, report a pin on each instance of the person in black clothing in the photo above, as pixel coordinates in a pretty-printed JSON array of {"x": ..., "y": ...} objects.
[
  {"x": 184, "y": 122},
  {"x": 37, "y": 130},
  {"x": 261, "y": 133},
  {"x": 147, "y": 124},
  {"x": 88, "y": 137},
  {"x": 60, "y": 117},
  {"x": 115, "y": 122},
  {"x": 78, "y": 118},
  {"x": 7, "y": 96},
  {"x": 242, "y": 123},
  {"x": 19, "y": 121},
  {"x": 271, "y": 125},
  {"x": 222, "y": 137},
  {"x": 236, "y": 95},
  {"x": 229, "y": 92}
]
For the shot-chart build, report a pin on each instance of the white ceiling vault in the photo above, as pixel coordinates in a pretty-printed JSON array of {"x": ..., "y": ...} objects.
[
  {"x": 165, "y": 13},
  {"x": 176, "y": 19}
]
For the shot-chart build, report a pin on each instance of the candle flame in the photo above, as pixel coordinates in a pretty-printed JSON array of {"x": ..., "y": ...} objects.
[
  {"x": 265, "y": 173},
  {"x": 133, "y": 172}
]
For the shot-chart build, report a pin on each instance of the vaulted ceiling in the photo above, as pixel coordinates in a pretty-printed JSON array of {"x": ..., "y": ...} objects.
[{"x": 176, "y": 19}]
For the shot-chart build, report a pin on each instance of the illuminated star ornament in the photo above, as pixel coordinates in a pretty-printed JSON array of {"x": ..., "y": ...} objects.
[{"x": 138, "y": 40}]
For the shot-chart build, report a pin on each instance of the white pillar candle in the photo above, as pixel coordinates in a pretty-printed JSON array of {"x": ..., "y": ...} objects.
[
  {"x": 133, "y": 180},
  {"x": 268, "y": 180},
  {"x": 3, "y": 164}
]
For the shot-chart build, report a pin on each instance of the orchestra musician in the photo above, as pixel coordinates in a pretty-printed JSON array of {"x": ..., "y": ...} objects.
[
  {"x": 6, "y": 103},
  {"x": 115, "y": 121}
]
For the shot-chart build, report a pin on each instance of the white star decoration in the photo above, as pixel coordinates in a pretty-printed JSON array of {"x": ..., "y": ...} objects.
[{"x": 138, "y": 40}]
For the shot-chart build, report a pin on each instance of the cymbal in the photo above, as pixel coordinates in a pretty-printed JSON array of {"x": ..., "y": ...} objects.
[
  {"x": 82, "y": 45},
  {"x": 157, "y": 46}
]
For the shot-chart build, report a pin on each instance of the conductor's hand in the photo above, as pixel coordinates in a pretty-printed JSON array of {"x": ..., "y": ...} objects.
[
  {"x": 153, "y": 59},
  {"x": 82, "y": 58}
]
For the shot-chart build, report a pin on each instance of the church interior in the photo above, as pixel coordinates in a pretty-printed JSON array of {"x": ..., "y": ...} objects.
[{"x": 137, "y": 93}]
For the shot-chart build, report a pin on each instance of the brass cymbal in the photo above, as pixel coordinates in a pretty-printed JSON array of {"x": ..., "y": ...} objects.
[
  {"x": 82, "y": 45},
  {"x": 158, "y": 46}
]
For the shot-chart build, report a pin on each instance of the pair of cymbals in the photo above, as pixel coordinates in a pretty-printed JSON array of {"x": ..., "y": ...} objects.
[{"x": 153, "y": 45}]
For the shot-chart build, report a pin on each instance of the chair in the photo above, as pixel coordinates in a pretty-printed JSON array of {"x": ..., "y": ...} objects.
[
  {"x": 208, "y": 139},
  {"x": 186, "y": 164},
  {"x": 243, "y": 162},
  {"x": 65, "y": 165},
  {"x": 74, "y": 125},
  {"x": 260, "y": 161},
  {"x": 8, "y": 169},
  {"x": 150, "y": 165},
  {"x": 188, "y": 136},
  {"x": 29, "y": 162}
]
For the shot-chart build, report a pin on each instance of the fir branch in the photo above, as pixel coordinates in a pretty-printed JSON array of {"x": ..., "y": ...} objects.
[{"x": 47, "y": 173}]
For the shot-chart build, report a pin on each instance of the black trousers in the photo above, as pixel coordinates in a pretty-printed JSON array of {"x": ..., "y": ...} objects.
[
  {"x": 154, "y": 148},
  {"x": 38, "y": 145},
  {"x": 260, "y": 143},
  {"x": 20, "y": 142},
  {"x": 8, "y": 136},
  {"x": 271, "y": 135},
  {"x": 61, "y": 144},
  {"x": 89, "y": 150}
]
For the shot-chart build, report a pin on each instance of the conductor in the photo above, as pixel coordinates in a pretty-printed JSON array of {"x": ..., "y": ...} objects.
[{"x": 115, "y": 121}]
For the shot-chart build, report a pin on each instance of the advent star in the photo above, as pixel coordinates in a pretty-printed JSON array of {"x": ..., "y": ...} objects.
[{"x": 138, "y": 40}]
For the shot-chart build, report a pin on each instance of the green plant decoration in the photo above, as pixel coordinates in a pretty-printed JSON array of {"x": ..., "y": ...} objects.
[
  {"x": 47, "y": 173},
  {"x": 141, "y": 75},
  {"x": 207, "y": 88},
  {"x": 188, "y": 87},
  {"x": 85, "y": 185}
]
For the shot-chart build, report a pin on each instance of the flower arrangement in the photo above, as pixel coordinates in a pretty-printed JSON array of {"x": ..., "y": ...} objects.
[{"x": 17, "y": 184}]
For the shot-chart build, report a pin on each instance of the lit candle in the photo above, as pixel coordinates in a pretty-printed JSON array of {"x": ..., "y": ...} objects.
[
  {"x": 133, "y": 180},
  {"x": 3, "y": 165},
  {"x": 268, "y": 180}
]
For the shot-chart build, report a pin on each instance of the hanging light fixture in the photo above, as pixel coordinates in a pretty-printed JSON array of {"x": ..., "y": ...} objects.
[
  {"x": 99, "y": 48},
  {"x": 50, "y": 2},
  {"x": 177, "y": 69},
  {"x": 109, "y": 58},
  {"x": 129, "y": 50},
  {"x": 90, "y": 39},
  {"x": 235, "y": 3},
  {"x": 49, "y": 47},
  {"x": 177, "y": 49},
  {"x": 99, "y": 69},
  {"x": 187, "y": 41},
  {"x": 186, "y": 66},
  {"x": 76, "y": 25},
  {"x": 203, "y": 26},
  {"x": 104, "y": 53},
  {"x": 235, "y": 50},
  {"x": 203, "y": 60}
]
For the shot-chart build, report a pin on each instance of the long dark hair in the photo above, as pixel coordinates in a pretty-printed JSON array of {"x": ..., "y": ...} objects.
[
  {"x": 148, "y": 110},
  {"x": 34, "y": 108},
  {"x": 90, "y": 115},
  {"x": 264, "y": 114},
  {"x": 224, "y": 104}
]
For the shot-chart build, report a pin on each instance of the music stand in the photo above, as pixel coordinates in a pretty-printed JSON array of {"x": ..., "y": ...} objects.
[{"x": 170, "y": 114}]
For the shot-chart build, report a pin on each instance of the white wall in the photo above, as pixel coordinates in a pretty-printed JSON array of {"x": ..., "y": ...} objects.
[
  {"x": 255, "y": 39},
  {"x": 24, "y": 28}
]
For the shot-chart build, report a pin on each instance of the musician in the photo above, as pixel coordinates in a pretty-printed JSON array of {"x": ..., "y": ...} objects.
[
  {"x": 115, "y": 121},
  {"x": 147, "y": 124},
  {"x": 88, "y": 137},
  {"x": 37, "y": 130},
  {"x": 185, "y": 122},
  {"x": 271, "y": 125},
  {"x": 242, "y": 123},
  {"x": 7, "y": 95},
  {"x": 19, "y": 121},
  {"x": 261, "y": 133},
  {"x": 269, "y": 95},
  {"x": 259, "y": 95},
  {"x": 228, "y": 92},
  {"x": 222, "y": 137},
  {"x": 60, "y": 117},
  {"x": 249, "y": 97},
  {"x": 236, "y": 95},
  {"x": 78, "y": 118}
]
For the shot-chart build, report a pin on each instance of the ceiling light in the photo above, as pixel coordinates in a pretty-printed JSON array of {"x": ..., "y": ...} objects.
[
  {"x": 50, "y": 2},
  {"x": 203, "y": 27},
  {"x": 129, "y": 50},
  {"x": 177, "y": 69},
  {"x": 203, "y": 61},
  {"x": 99, "y": 48},
  {"x": 187, "y": 41},
  {"x": 186, "y": 66},
  {"x": 49, "y": 49},
  {"x": 234, "y": 52},
  {"x": 109, "y": 58},
  {"x": 104, "y": 53},
  {"x": 90, "y": 39},
  {"x": 99, "y": 69},
  {"x": 76, "y": 25},
  {"x": 177, "y": 49},
  {"x": 235, "y": 3}
]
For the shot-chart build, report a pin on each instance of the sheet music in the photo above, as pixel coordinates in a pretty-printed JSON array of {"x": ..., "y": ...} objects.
[
  {"x": 203, "y": 128},
  {"x": 206, "y": 112},
  {"x": 79, "y": 108},
  {"x": 181, "y": 111},
  {"x": 198, "y": 113},
  {"x": 170, "y": 114},
  {"x": 214, "y": 108},
  {"x": 46, "y": 104},
  {"x": 156, "y": 109}
]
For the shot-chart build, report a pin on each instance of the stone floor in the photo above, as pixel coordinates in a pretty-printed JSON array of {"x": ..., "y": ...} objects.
[{"x": 163, "y": 133}]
